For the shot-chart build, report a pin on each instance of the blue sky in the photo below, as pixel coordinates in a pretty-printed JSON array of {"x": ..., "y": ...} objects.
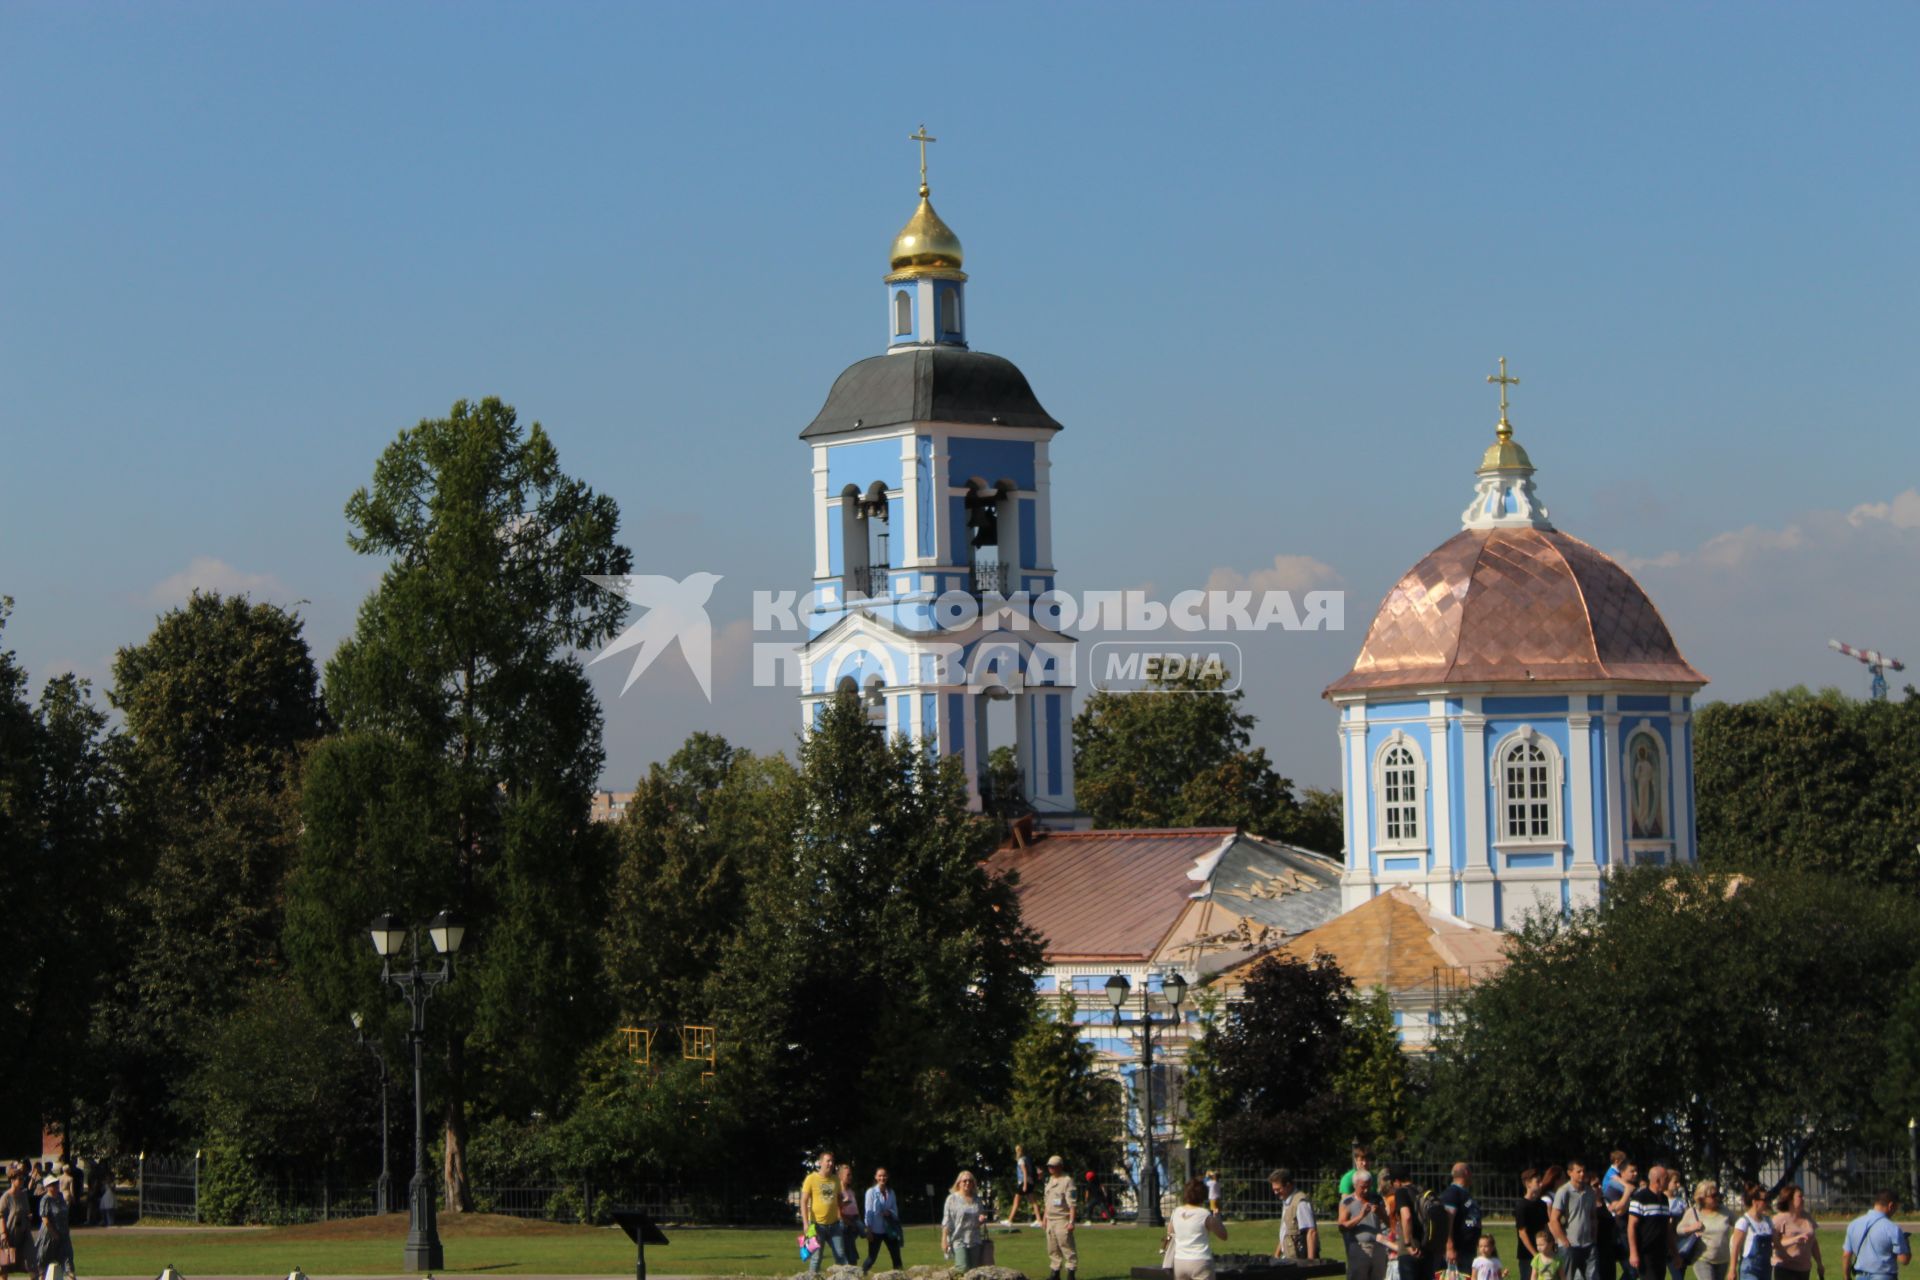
[{"x": 1258, "y": 258}]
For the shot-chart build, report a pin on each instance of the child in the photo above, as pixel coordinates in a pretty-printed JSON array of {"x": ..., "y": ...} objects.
[
  {"x": 1486, "y": 1266},
  {"x": 1546, "y": 1261}
]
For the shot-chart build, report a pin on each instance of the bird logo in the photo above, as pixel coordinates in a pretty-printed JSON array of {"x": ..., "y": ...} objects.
[{"x": 675, "y": 610}]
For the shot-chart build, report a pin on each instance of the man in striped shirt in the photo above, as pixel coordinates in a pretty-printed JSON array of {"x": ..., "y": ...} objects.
[{"x": 1650, "y": 1227}]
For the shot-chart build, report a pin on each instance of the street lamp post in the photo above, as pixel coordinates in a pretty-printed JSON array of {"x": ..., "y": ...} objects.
[
  {"x": 383, "y": 1185},
  {"x": 416, "y": 984},
  {"x": 1175, "y": 990}
]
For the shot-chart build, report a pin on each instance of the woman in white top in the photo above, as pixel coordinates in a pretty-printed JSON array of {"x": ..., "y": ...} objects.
[
  {"x": 1187, "y": 1230},
  {"x": 1753, "y": 1238}
]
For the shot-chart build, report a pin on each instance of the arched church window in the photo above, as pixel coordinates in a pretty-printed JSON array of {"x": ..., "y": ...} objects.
[
  {"x": 1529, "y": 781},
  {"x": 950, "y": 310},
  {"x": 902, "y": 313},
  {"x": 1397, "y": 783}
]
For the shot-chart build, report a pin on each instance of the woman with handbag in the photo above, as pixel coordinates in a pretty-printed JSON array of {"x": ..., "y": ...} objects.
[
  {"x": 16, "y": 1227},
  {"x": 1702, "y": 1233}
]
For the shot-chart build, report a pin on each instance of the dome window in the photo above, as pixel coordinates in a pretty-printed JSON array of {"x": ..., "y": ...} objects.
[
  {"x": 950, "y": 310},
  {"x": 1529, "y": 782},
  {"x": 902, "y": 313},
  {"x": 1399, "y": 786}
]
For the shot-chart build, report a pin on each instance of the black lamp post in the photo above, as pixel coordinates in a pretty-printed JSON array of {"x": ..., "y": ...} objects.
[
  {"x": 1175, "y": 990},
  {"x": 383, "y": 1186},
  {"x": 416, "y": 985}
]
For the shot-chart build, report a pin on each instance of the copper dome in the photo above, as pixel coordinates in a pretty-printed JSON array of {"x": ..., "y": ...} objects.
[{"x": 1513, "y": 605}]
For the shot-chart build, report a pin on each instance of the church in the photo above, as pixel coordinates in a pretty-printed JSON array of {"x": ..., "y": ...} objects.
[{"x": 1516, "y": 723}]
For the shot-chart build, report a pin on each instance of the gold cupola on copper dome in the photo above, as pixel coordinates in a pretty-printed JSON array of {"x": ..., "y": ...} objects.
[{"x": 926, "y": 247}]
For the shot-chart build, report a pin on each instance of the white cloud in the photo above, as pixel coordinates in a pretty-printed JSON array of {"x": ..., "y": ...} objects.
[
  {"x": 1902, "y": 513},
  {"x": 1286, "y": 573},
  {"x": 207, "y": 573}
]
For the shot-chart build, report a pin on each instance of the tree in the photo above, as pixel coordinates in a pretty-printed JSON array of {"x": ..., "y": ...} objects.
[
  {"x": 693, "y": 832},
  {"x": 1818, "y": 782},
  {"x": 61, "y": 853},
  {"x": 880, "y": 978},
  {"x": 1061, "y": 1103},
  {"x": 1181, "y": 755},
  {"x": 1650, "y": 993},
  {"x": 469, "y": 751},
  {"x": 1374, "y": 1077},
  {"x": 1266, "y": 1074},
  {"x": 219, "y": 702}
]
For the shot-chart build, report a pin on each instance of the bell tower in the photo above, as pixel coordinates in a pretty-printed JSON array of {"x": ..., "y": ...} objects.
[{"x": 933, "y": 539}]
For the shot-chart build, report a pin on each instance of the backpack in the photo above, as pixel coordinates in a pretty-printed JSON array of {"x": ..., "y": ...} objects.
[{"x": 1430, "y": 1219}]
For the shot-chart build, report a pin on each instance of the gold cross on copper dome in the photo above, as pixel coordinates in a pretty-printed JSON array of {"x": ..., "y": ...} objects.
[
  {"x": 1505, "y": 429},
  {"x": 923, "y": 138}
]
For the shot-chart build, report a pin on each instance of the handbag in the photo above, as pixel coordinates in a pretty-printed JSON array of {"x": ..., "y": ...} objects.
[
  {"x": 1692, "y": 1243},
  {"x": 986, "y": 1251}
]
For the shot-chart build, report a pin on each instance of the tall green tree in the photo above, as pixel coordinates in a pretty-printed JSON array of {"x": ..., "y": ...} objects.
[
  {"x": 62, "y": 863},
  {"x": 219, "y": 702},
  {"x": 1266, "y": 1075},
  {"x": 469, "y": 749},
  {"x": 1625, "y": 1022},
  {"x": 1182, "y": 755},
  {"x": 1062, "y": 1103},
  {"x": 1375, "y": 1077},
  {"x": 880, "y": 979},
  {"x": 1811, "y": 781},
  {"x": 696, "y": 828}
]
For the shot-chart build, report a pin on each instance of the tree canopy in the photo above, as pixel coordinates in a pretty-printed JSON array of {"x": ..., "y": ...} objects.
[
  {"x": 468, "y": 752},
  {"x": 1630, "y": 1022},
  {"x": 1812, "y": 781},
  {"x": 1181, "y": 754}
]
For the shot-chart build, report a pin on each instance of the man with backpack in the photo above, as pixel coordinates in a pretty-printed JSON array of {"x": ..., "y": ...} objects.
[{"x": 1419, "y": 1221}]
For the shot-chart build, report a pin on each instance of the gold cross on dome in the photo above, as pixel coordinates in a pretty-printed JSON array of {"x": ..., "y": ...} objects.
[
  {"x": 1506, "y": 428},
  {"x": 923, "y": 138}
]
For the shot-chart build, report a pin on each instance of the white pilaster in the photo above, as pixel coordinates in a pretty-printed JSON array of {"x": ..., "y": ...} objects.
[
  {"x": 939, "y": 552},
  {"x": 1043, "y": 508},
  {"x": 1439, "y": 785},
  {"x": 1580, "y": 766},
  {"x": 908, "y": 539},
  {"x": 1473, "y": 786},
  {"x": 822, "y": 551},
  {"x": 1610, "y": 779},
  {"x": 1362, "y": 791}
]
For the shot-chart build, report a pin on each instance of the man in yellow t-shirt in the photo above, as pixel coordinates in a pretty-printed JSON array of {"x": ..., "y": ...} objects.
[{"x": 820, "y": 1214}]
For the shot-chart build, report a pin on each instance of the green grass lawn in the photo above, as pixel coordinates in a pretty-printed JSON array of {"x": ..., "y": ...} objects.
[{"x": 482, "y": 1244}]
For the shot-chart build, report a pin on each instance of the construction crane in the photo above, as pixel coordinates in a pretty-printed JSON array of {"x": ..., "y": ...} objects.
[{"x": 1876, "y": 662}]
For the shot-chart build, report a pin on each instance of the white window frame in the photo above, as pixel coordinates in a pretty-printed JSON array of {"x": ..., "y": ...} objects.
[
  {"x": 1399, "y": 740},
  {"x": 1520, "y": 740},
  {"x": 902, "y": 313}
]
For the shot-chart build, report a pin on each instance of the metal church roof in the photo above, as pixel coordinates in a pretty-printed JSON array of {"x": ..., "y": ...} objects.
[{"x": 930, "y": 384}]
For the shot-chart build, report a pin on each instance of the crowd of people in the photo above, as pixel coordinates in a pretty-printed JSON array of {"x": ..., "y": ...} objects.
[
  {"x": 835, "y": 1217},
  {"x": 1626, "y": 1224},
  {"x": 36, "y": 1220}
]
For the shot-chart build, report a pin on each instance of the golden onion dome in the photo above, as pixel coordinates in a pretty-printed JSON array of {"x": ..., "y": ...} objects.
[
  {"x": 926, "y": 246},
  {"x": 1505, "y": 454}
]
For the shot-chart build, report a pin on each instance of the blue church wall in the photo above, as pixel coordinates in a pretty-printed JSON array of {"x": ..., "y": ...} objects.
[
  {"x": 956, "y": 529},
  {"x": 1644, "y": 702},
  {"x": 1391, "y": 710},
  {"x": 1527, "y": 706},
  {"x": 957, "y": 722},
  {"x": 929, "y": 717},
  {"x": 1029, "y": 532},
  {"x": 836, "y": 545},
  {"x": 989, "y": 460},
  {"x": 862, "y": 463}
]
